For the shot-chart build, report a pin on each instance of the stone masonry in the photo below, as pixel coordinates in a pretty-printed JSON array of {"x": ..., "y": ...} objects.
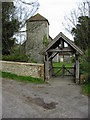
[
  {"x": 37, "y": 28},
  {"x": 23, "y": 69}
]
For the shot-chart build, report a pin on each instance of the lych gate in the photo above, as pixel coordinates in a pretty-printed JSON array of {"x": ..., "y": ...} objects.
[{"x": 57, "y": 46}]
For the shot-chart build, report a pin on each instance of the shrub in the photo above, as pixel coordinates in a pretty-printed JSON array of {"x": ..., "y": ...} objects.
[
  {"x": 15, "y": 58},
  {"x": 84, "y": 63},
  {"x": 16, "y": 54},
  {"x": 0, "y": 56},
  {"x": 45, "y": 40},
  {"x": 72, "y": 59},
  {"x": 32, "y": 60}
]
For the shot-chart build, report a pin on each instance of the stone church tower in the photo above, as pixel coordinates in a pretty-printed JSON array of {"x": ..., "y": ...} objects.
[{"x": 37, "y": 36}]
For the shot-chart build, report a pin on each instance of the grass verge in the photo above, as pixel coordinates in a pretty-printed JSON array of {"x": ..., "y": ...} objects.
[
  {"x": 86, "y": 89},
  {"x": 59, "y": 64},
  {"x": 21, "y": 78}
]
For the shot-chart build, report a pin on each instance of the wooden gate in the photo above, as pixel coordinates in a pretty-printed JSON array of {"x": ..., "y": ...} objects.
[{"x": 64, "y": 71}]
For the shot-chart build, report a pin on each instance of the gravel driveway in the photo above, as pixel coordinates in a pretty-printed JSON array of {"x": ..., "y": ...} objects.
[{"x": 59, "y": 98}]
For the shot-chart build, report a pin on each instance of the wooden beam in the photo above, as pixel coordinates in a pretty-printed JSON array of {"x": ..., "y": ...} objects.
[
  {"x": 57, "y": 50},
  {"x": 62, "y": 44},
  {"x": 66, "y": 54},
  {"x": 52, "y": 56}
]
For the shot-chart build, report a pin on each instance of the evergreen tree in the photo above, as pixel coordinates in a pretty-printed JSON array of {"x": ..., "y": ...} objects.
[
  {"x": 82, "y": 32},
  {"x": 10, "y": 25}
]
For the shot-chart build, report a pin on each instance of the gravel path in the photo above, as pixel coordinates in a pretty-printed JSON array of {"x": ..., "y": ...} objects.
[{"x": 59, "y": 98}]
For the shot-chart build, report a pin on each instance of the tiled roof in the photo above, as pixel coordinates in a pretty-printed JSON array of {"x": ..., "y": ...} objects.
[{"x": 37, "y": 17}]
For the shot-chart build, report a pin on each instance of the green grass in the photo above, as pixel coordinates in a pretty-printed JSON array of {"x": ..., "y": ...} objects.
[
  {"x": 86, "y": 89},
  {"x": 21, "y": 78},
  {"x": 59, "y": 64}
]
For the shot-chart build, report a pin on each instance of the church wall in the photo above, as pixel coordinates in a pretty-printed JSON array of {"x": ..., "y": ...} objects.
[{"x": 34, "y": 43}]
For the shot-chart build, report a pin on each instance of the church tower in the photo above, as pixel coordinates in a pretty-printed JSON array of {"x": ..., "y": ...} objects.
[{"x": 37, "y": 36}]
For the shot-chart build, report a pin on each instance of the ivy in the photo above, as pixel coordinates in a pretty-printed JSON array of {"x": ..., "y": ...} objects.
[{"x": 45, "y": 40}]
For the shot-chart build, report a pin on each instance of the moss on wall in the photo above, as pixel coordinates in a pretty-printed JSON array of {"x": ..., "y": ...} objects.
[{"x": 45, "y": 40}]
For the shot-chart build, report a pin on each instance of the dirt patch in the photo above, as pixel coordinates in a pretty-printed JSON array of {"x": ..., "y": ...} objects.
[{"x": 40, "y": 102}]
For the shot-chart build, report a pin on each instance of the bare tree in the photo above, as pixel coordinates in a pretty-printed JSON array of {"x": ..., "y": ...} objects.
[
  {"x": 71, "y": 20},
  {"x": 25, "y": 9}
]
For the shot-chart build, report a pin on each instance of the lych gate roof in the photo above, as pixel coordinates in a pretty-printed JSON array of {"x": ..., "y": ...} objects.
[
  {"x": 37, "y": 17},
  {"x": 67, "y": 40}
]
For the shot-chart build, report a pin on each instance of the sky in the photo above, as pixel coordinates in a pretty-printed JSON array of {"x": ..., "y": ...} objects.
[{"x": 54, "y": 11}]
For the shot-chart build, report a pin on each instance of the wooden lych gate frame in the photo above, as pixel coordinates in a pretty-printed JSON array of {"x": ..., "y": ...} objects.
[{"x": 57, "y": 46}]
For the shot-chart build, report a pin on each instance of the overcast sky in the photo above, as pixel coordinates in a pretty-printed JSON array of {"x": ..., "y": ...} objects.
[{"x": 54, "y": 11}]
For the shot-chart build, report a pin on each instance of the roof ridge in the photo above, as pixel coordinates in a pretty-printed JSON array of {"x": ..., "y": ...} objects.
[
  {"x": 66, "y": 39},
  {"x": 71, "y": 42},
  {"x": 37, "y": 17}
]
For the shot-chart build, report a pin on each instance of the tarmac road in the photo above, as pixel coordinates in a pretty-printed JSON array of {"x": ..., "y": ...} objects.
[{"x": 59, "y": 98}]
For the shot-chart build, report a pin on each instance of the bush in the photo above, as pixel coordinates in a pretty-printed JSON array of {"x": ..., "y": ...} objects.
[
  {"x": 86, "y": 87},
  {"x": 72, "y": 59},
  {"x": 84, "y": 63},
  {"x": 15, "y": 58},
  {"x": 32, "y": 61},
  {"x": 16, "y": 54},
  {"x": 0, "y": 56}
]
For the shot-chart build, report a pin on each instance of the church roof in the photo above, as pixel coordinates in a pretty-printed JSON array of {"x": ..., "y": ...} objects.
[
  {"x": 65, "y": 39},
  {"x": 37, "y": 17}
]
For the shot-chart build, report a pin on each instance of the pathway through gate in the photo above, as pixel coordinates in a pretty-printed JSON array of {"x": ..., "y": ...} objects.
[
  {"x": 58, "y": 48},
  {"x": 63, "y": 71}
]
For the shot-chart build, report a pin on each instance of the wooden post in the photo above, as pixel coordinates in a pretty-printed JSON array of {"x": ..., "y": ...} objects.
[
  {"x": 62, "y": 44},
  {"x": 77, "y": 70},
  {"x": 47, "y": 75},
  {"x": 51, "y": 68},
  {"x": 74, "y": 72}
]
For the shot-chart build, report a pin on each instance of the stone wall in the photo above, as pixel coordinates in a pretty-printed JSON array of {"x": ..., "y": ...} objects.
[
  {"x": 34, "y": 43},
  {"x": 23, "y": 69}
]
